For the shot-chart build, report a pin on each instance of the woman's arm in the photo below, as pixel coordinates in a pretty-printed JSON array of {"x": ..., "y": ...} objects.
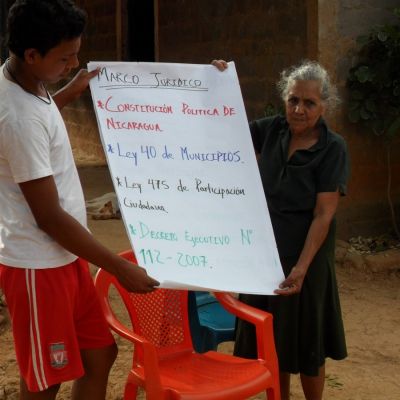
[
  {"x": 74, "y": 89},
  {"x": 324, "y": 212}
]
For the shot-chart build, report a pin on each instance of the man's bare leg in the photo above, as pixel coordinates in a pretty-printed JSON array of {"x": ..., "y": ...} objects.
[
  {"x": 48, "y": 394},
  {"x": 97, "y": 364}
]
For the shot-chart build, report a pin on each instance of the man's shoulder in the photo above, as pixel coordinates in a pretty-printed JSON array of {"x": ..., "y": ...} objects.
[{"x": 20, "y": 110}]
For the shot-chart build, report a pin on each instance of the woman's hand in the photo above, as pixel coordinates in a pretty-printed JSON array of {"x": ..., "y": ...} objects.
[
  {"x": 222, "y": 65},
  {"x": 293, "y": 283}
]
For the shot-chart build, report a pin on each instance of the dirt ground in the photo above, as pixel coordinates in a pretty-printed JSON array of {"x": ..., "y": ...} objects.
[{"x": 371, "y": 311}]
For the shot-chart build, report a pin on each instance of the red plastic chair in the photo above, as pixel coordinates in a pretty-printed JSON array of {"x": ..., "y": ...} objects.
[{"x": 164, "y": 362}]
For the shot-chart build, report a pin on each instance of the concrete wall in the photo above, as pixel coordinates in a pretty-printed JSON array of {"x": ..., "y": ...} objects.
[
  {"x": 4, "y": 6},
  {"x": 101, "y": 42},
  {"x": 262, "y": 37},
  {"x": 366, "y": 208}
]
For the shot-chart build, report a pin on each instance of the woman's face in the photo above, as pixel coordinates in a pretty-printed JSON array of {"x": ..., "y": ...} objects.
[{"x": 303, "y": 106}]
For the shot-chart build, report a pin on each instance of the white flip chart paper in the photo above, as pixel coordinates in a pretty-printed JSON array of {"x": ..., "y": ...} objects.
[{"x": 180, "y": 154}]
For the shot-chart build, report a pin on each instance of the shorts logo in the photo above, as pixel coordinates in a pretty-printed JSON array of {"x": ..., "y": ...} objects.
[{"x": 58, "y": 355}]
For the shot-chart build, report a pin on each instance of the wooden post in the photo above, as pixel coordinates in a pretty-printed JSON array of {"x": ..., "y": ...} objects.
[
  {"x": 118, "y": 29},
  {"x": 156, "y": 32}
]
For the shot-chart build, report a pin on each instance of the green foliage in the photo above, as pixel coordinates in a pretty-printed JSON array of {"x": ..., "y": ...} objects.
[{"x": 374, "y": 83}]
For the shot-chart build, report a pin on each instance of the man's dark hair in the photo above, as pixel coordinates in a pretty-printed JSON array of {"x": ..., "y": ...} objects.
[{"x": 42, "y": 25}]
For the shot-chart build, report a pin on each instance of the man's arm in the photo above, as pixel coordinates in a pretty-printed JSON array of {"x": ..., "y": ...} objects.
[
  {"x": 74, "y": 89},
  {"x": 42, "y": 197}
]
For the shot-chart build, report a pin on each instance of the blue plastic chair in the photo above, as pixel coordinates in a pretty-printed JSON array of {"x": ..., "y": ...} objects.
[{"x": 210, "y": 323}]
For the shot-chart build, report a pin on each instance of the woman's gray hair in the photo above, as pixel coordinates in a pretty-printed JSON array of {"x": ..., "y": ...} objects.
[{"x": 309, "y": 71}]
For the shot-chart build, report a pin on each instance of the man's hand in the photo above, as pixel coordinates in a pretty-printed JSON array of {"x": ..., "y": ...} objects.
[
  {"x": 134, "y": 278},
  {"x": 81, "y": 80},
  {"x": 74, "y": 89}
]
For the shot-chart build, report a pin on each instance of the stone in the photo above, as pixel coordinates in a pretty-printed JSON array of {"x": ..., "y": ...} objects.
[
  {"x": 342, "y": 244},
  {"x": 340, "y": 254},
  {"x": 354, "y": 260},
  {"x": 383, "y": 261}
]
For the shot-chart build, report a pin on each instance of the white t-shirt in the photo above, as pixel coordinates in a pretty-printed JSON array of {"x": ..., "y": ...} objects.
[{"x": 33, "y": 144}]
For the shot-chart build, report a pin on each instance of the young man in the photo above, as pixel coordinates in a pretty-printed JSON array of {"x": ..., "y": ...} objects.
[{"x": 59, "y": 330}]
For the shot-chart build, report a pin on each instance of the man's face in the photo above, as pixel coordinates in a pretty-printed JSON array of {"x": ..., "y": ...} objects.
[{"x": 58, "y": 62}]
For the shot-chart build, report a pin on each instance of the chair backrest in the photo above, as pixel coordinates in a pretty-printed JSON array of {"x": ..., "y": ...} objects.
[
  {"x": 161, "y": 317},
  {"x": 210, "y": 323},
  {"x": 204, "y": 298}
]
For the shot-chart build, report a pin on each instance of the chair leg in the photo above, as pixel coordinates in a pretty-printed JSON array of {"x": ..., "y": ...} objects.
[
  {"x": 273, "y": 394},
  {"x": 130, "y": 391}
]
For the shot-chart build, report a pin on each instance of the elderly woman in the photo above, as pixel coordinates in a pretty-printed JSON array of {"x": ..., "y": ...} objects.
[{"x": 304, "y": 168}]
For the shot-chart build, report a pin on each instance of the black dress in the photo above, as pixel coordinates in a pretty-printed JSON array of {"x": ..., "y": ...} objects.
[{"x": 308, "y": 326}]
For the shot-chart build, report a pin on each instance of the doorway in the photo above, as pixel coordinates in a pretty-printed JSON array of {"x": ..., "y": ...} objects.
[{"x": 140, "y": 41}]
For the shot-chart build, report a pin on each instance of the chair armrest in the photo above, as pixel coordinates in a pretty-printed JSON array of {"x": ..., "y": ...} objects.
[
  {"x": 263, "y": 324},
  {"x": 123, "y": 330},
  {"x": 102, "y": 282},
  {"x": 242, "y": 310}
]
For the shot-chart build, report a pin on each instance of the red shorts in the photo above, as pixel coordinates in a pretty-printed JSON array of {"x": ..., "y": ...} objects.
[{"x": 55, "y": 313}]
